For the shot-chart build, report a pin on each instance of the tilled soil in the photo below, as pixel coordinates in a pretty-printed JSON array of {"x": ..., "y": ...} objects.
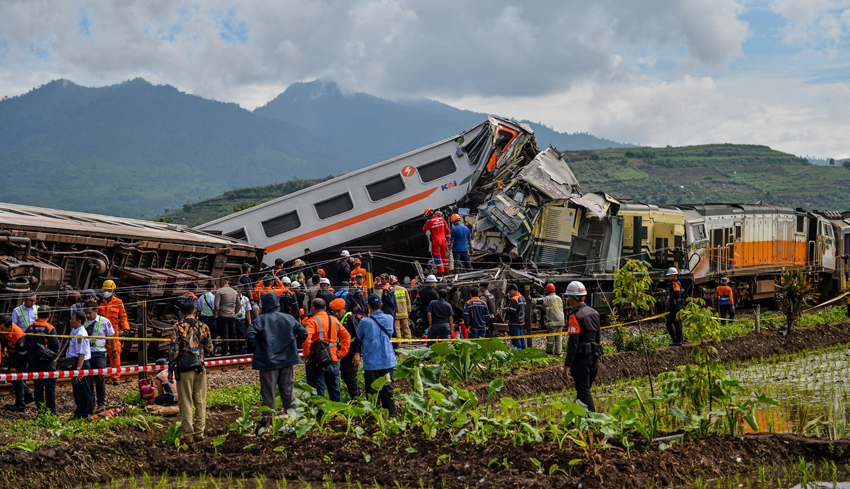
[
  {"x": 633, "y": 364},
  {"x": 314, "y": 457}
]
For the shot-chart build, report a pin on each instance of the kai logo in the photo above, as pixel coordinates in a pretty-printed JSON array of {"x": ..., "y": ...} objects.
[{"x": 449, "y": 185}]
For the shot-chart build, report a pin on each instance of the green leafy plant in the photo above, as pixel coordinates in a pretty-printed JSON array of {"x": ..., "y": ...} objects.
[
  {"x": 793, "y": 293},
  {"x": 631, "y": 290}
]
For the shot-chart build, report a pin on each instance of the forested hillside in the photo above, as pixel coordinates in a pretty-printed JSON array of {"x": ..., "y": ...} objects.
[{"x": 712, "y": 173}]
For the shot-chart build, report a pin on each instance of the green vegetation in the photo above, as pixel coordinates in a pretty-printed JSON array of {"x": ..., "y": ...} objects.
[
  {"x": 711, "y": 173},
  {"x": 234, "y": 201}
]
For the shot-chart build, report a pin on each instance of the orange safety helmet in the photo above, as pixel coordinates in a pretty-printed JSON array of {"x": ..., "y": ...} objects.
[
  {"x": 413, "y": 282},
  {"x": 357, "y": 261},
  {"x": 320, "y": 272},
  {"x": 428, "y": 212},
  {"x": 455, "y": 218}
]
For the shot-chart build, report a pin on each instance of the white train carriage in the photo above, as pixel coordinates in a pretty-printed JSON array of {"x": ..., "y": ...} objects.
[{"x": 367, "y": 201}]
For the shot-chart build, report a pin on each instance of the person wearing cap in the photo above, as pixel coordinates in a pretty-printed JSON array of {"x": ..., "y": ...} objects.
[
  {"x": 489, "y": 299},
  {"x": 80, "y": 349},
  {"x": 243, "y": 316},
  {"x": 460, "y": 243},
  {"x": 438, "y": 234},
  {"x": 206, "y": 309},
  {"x": 166, "y": 391},
  {"x": 278, "y": 272},
  {"x": 584, "y": 346},
  {"x": 440, "y": 317},
  {"x": 41, "y": 332},
  {"x": 375, "y": 332},
  {"x": 343, "y": 268},
  {"x": 324, "y": 291},
  {"x": 429, "y": 293},
  {"x": 553, "y": 319},
  {"x": 402, "y": 313},
  {"x": 349, "y": 364},
  {"x": 274, "y": 337},
  {"x": 26, "y": 314},
  {"x": 358, "y": 269},
  {"x": 288, "y": 300},
  {"x": 325, "y": 327},
  {"x": 357, "y": 294},
  {"x": 725, "y": 301},
  {"x": 245, "y": 277},
  {"x": 476, "y": 315},
  {"x": 675, "y": 303},
  {"x": 15, "y": 345},
  {"x": 388, "y": 296},
  {"x": 297, "y": 274},
  {"x": 227, "y": 304},
  {"x": 515, "y": 313},
  {"x": 100, "y": 347}
]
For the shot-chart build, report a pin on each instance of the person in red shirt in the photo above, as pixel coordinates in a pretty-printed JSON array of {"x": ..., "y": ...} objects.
[{"x": 438, "y": 231}]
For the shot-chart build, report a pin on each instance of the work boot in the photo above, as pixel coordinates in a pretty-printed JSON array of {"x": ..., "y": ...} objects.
[
  {"x": 15, "y": 407},
  {"x": 29, "y": 398},
  {"x": 115, "y": 382},
  {"x": 100, "y": 406}
]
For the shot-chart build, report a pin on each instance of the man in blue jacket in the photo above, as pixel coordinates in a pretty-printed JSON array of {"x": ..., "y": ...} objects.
[
  {"x": 379, "y": 359},
  {"x": 275, "y": 337}
]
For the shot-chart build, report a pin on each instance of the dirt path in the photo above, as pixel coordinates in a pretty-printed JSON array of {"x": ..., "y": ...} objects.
[{"x": 632, "y": 364}]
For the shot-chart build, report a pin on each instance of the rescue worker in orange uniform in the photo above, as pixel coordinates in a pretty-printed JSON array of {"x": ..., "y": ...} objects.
[
  {"x": 325, "y": 327},
  {"x": 112, "y": 308},
  {"x": 438, "y": 231},
  {"x": 584, "y": 346},
  {"x": 357, "y": 269},
  {"x": 675, "y": 303},
  {"x": 15, "y": 344},
  {"x": 266, "y": 287},
  {"x": 725, "y": 300}
]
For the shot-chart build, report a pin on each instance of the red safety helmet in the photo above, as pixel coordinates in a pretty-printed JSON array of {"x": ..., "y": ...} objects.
[
  {"x": 320, "y": 272},
  {"x": 550, "y": 287},
  {"x": 455, "y": 218}
]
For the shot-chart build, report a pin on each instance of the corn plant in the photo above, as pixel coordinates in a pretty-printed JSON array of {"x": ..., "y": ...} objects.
[{"x": 793, "y": 294}]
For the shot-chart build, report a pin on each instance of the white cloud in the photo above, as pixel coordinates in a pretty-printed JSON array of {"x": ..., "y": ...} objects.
[{"x": 815, "y": 22}]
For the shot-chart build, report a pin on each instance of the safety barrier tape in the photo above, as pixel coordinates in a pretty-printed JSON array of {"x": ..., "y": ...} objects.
[{"x": 58, "y": 374}]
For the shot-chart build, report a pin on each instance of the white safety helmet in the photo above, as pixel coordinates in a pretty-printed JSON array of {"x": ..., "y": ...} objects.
[
  {"x": 406, "y": 280},
  {"x": 672, "y": 271},
  {"x": 724, "y": 281},
  {"x": 431, "y": 279},
  {"x": 324, "y": 281},
  {"x": 296, "y": 284},
  {"x": 576, "y": 289},
  {"x": 345, "y": 254},
  {"x": 286, "y": 280}
]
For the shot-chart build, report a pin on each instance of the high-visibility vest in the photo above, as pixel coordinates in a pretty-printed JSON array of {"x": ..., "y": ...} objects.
[
  {"x": 96, "y": 332},
  {"x": 206, "y": 309},
  {"x": 24, "y": 316},
  {"x": 241, "y": 313}
]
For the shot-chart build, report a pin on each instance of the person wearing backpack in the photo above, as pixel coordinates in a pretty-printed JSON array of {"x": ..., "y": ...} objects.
[
  {"x": 379, "y": 358},
  {"x": 190, "y": 341},
  {"x": 327, "y": 342}
]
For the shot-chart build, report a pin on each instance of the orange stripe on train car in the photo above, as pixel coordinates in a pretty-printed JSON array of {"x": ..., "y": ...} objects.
[
  {"x": 351, "y": 221},
  {"x": 751, "y": 254}
]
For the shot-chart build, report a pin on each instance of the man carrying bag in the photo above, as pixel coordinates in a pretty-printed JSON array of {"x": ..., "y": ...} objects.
[{"x": 190, "y": 341}]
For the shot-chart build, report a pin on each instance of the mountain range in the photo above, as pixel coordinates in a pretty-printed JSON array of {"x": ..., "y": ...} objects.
[{"x": 135, "y": 149}]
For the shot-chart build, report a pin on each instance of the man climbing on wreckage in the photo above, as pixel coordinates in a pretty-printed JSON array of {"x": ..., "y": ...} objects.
[{"x": 437, "y": 231}]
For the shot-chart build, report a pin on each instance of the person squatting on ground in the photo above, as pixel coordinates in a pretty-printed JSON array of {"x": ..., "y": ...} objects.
[
  {"x": 553, "y": 318},
  {"x": 402, "y": 313},
  {"x": 97, "y": 325},
  {"x": 14, "y": 343},
  {"x": 584, "y": 346},
  {"x": 440, "y": 317},
  {"x": 225, "y": 307},
  {"x": 274, "y": 337},
  {"x": 379, "y": 358},
  {"x": 675, "y": 303},
  {"x": 42, "y": 349},
  {"x": 166, "y": 390},
  {"x": 515, "y": 316},
  {"x": 725, "y": 301},
  {"x": 80, "y": 349},
  {"x": 327, "y": 341},
  {"x": 438, "y": 235},
  {"x": 112, "y": 308},
  {"x": 476, "y": 315},
  {"x": 351, "y": 361},
  {"x": 460, "y": 242},
  {"x": 190, "y": 342}
]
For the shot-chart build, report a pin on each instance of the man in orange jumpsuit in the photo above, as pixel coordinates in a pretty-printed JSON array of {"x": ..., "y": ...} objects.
[
  {"x": 112, "y": 308},
  {"x": 438, "y": 230},
  {"x": 725, "y": 300}
]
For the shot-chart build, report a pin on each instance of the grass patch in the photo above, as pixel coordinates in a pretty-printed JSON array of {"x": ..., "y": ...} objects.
[{"x": 47, "y": 429}]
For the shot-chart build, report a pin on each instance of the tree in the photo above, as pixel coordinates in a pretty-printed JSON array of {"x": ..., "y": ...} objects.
[
  {"x": 632, "y": 291},
  {"x": 832, "y": 162},
  {"x": 793, "y": 294}
]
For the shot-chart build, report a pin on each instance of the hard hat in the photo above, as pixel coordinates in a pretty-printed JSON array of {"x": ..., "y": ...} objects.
[
  {"x": 455, "y": 218},
  {"x": 413, "y": 282},
  {"x": 377, "y": 280},
  {"x": 428, "y": 212},
  {"x": 724, "y": 281},
  {"x": 299, "y": 263},
  {"x": 345, "y": 254},
  {"x": 286, "y": 280},
  {"x": 393, "y": 279},
  {"x": 406, "y": 279},
  {"x": 296, "y": 284},
  {"x": 357, "y": 261},
  {"x": 324, "y": 281},
  {"x": 438, "y": 214},
  {"x": 550, "y": 288},
  {"x": 108, "y": 285},
  {"x": 576, "y": 289},
  {"x": 431, "y": 279},
  {"x": 320, "y": 272},
  {"x": 672, "y": 271}
]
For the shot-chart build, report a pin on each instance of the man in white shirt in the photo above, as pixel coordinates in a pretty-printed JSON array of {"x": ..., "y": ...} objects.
[
  {"x": 80, "y": 349},
  {"x": 25, "y": 314},
  {"x": 98, "y": 325}
]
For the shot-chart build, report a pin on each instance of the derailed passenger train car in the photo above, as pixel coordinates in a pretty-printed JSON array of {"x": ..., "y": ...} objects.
[{"x": 52, "y": 252}]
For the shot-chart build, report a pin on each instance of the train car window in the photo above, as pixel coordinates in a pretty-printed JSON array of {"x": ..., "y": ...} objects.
[
  {"x": 385, "y": 188},
  {"x": 738, "y": 232},
  {"x": 436, "y": 169},
  {"x": 334, "y": 206},
  {"x": 698, "y": 230},
  {"x": 238, "y": 234},
  {"x": 644, "y": 232},
  {"x": 281, "y": 224},
  {"x": 801, "y": 224}
]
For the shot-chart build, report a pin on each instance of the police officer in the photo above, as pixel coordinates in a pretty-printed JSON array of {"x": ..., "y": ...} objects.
[
  {"x": 584, "y": 346},
  {"x": 39, "y": 335},
  {"x": 675, "y": 303}
]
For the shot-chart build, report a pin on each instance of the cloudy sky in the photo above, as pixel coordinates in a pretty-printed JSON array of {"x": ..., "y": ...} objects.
[{"x": 654, "y": 72}]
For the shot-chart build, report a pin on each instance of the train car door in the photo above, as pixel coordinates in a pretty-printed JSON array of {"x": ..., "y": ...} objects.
[{"x": 826, "y": 244}]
